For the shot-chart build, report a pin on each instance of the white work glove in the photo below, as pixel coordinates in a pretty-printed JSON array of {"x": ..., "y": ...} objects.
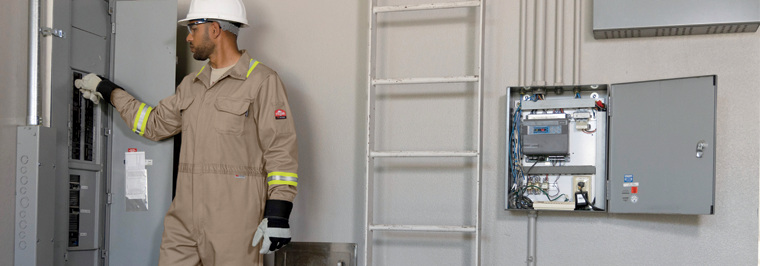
[
  {"x": 88, "y": 86},
  {"x": 275, "y": 236},
  {"x": 274, "y": 229}
]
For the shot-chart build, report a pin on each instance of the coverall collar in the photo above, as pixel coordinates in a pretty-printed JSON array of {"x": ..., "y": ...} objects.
[{"x": 238, "y": 71}]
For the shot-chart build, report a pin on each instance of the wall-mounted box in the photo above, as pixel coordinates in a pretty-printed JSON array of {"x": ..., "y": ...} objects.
[
  {"x": 651, "y": 18},
  {"x": 643, "y": 147}
]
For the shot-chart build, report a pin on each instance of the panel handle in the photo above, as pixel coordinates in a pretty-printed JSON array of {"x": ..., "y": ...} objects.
[{"x": 701, "y": 145}]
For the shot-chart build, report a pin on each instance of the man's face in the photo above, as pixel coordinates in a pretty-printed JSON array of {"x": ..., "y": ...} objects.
[{"x": 199, "y": 41}]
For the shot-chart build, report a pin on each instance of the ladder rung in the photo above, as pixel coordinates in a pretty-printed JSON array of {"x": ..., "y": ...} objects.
[
  {"x": 425, "y": 80},
  {"x": 431, "y": 228},
  {"x": 424, "y": 153},
  {"x": 381, "y": 9}
]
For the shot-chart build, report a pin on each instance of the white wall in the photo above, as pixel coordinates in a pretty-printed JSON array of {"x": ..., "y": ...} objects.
[
  {"x": 319, "y": 49},
  {"x": 13, "y": 93}
]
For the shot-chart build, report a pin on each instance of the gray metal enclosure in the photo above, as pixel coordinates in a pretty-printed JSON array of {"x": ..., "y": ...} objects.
[
  {"x": 143, "y": 62},
  {"x": 659, "y": 138},
  {"x": 656, "y": 129},
  {"x": 86, "y": 174}
]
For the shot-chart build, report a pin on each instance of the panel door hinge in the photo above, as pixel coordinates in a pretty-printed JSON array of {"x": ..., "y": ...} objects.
[
  {"x": 609, "y": 106},
  {"x": 103, "y": 254},
  {"x": 113, "y": 27},
  {"x": 109, "y": 198},
  {"x": 106, "y": 132},
  {"x": 608, "y": 190},
  {"x": 52, "y": 32}
]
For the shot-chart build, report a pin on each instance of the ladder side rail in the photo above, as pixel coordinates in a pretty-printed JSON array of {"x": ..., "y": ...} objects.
[
  {"x": 481, "y": 52},
  {"x": 370, "y": 179}
]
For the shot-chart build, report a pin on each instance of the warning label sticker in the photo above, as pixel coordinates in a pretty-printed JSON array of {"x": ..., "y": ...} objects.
[
  {"x": 627, "y": 178},
  {"x": 634, "y": 184}
]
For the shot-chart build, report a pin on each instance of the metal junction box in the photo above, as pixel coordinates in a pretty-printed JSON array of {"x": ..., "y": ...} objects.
[
  {"x": 641, "y": 147},
  {"x": 651, "y": 18}
]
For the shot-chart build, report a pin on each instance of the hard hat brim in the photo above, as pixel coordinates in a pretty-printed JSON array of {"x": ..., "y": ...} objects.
[{"x": 186, "y": 21}]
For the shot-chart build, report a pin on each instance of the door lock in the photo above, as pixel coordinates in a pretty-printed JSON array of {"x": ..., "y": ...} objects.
[{"x": 701, "y": 145}]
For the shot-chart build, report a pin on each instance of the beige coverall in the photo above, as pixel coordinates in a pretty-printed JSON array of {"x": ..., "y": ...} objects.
[{"x": 238, "y": 150}]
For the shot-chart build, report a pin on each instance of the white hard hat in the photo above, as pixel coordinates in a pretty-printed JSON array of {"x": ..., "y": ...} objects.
[{"x": 229, "y": 10}]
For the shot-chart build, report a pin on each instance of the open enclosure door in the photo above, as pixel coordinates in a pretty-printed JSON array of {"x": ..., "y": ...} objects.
[
  {"x": 144, "y": 64},
  {"x": 662, "y": 146}
]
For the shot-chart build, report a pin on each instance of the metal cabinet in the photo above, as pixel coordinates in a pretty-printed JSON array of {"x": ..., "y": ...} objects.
[
  {"x": 652, "y": 149},
  {"x": 74, "y": 201}
]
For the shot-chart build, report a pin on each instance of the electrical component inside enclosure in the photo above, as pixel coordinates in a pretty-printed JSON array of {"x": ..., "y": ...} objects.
[
  {"x": 544, "y": 135},
  {"x": 553, "y": 147},
  {"x": 612, "y": 148},
  {"x": 74, "y": 210},
  {"x": 82, "y": 126}
]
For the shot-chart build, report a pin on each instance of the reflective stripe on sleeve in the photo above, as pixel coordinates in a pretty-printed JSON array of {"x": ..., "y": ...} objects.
[
  {"x": 138, "y": 117},
  {"x": 282, "y": 178},
  {"x": 141, "y": 119}
]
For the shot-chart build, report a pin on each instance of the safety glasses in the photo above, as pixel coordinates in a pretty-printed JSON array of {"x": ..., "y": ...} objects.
[{"x": 196, "y": 22}]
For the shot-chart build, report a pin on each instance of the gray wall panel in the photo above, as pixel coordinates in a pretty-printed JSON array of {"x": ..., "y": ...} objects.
[{"x": 14, "y": 29}]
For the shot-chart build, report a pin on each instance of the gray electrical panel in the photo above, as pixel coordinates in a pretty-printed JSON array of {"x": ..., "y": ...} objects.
[
  {"x": 641, "y": 147},
  {"x": 69, "y": 172},
  {"x": 144, "y": 63},
  {"x": 35, "y": 179},
  {"x": 650, "y": 18}
]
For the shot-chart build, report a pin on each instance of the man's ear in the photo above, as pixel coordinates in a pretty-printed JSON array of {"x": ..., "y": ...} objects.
[{"x": 216, "y": 29}]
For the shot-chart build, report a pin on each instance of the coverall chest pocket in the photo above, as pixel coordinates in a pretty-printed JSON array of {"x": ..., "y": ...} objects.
[
  {"x": 230, "y": 115},
  {"x": 183, "y": 112}
]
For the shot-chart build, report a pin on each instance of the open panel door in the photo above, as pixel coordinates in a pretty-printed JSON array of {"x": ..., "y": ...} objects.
[
  {"x": 662, "y": 146},
  {"x": 144, "y": 64}
]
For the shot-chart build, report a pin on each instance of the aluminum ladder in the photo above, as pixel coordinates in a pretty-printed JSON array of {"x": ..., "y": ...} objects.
[{"x": 373, "y": 82}]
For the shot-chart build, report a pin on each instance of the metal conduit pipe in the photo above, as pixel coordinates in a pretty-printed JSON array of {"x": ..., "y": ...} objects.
[
  {"x": 531, "y": 260},
  {"x": 34, "y": 48},
  {"x": 559, "y": 43},
  {"x": 577, "y": 42},
  {"x": 539, "y": 60},
  {"x": 521, "y": 56}
]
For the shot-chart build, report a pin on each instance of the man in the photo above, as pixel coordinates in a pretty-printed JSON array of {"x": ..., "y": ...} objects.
[{"x": 238, "y": 159}]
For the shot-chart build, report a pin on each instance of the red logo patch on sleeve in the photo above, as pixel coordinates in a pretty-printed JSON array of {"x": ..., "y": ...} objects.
[{"x": 280, "y": 114}]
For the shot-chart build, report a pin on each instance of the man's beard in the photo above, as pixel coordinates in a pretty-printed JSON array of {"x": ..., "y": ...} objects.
[{"x": 204, "y": 50}]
